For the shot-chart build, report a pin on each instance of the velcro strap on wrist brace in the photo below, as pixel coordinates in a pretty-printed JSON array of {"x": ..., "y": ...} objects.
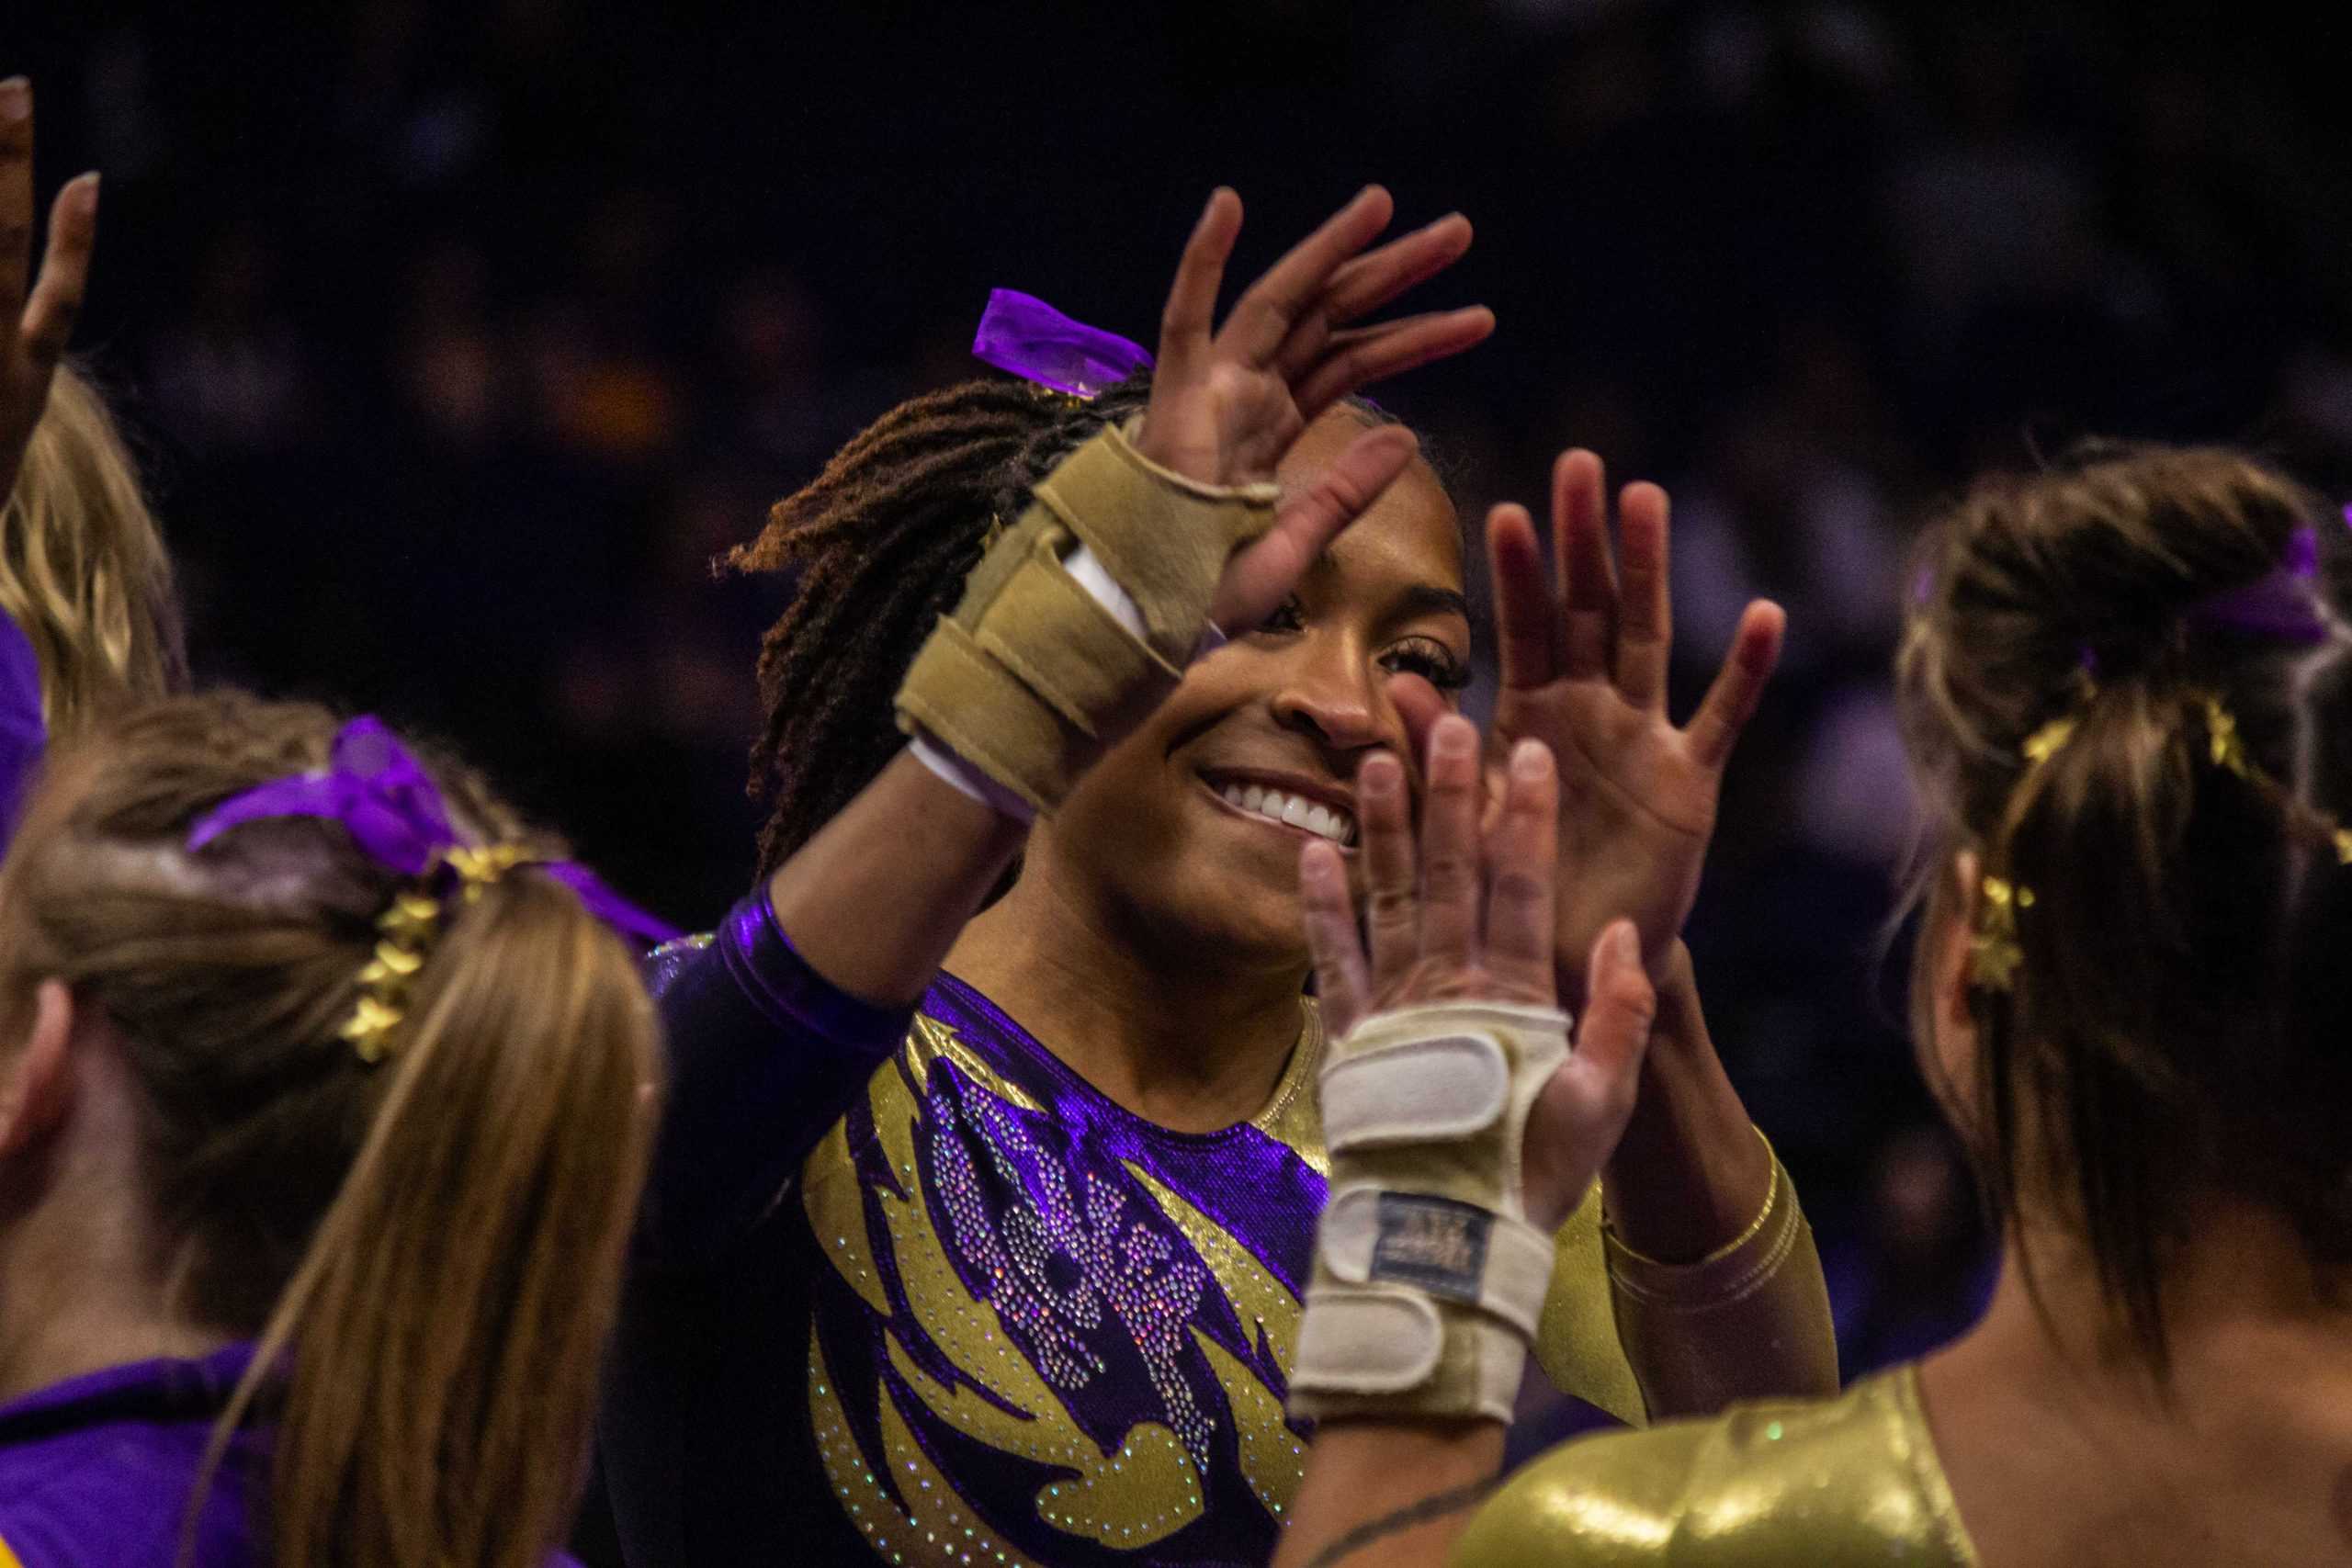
[
  {"x": 1428, "y": 1282},
  {"x": 1031, "y": 674},
  {"x": 1163, "y": 538}
]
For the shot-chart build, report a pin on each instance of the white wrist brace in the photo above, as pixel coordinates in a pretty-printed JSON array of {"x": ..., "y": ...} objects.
[{"x": 1429, "y": 1281}]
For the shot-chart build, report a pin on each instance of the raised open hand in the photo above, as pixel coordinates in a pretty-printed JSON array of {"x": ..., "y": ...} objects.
[
  {"x": 1584, "y": 670},
  {"x": 1471, "y": 918},
  {"x": 1228, "y": 402},
  {"x": 36, "y": 313},
  {"x": 1467, "y": 916}
]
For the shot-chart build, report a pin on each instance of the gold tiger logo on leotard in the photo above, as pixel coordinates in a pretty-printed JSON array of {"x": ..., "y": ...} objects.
[{"x": 1149, "y": 1487}]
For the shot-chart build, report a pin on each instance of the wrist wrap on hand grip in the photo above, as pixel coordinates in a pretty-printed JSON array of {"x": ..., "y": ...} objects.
[
  {"x": 1429, "y": 1281},
  {"x": 1032, "y": 676}
]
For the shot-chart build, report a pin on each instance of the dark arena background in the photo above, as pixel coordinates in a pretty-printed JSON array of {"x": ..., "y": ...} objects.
[{"x": 458, "y": 340}]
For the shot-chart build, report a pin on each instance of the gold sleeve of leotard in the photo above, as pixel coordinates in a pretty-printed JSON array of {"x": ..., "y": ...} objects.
[
  {"x": 1577, "y": 1344},
  {"x": 1748, "y": 1320},
  {"x": 1645, "y": 1341},
  {"x": 1827, "y": 1483}
]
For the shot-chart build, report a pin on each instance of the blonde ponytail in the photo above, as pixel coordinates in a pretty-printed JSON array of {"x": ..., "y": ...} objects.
[
  {"x": 428, "y": 1248},
  {"x": 458, "y": 1295},
  {"x": 83, "y": 570}
]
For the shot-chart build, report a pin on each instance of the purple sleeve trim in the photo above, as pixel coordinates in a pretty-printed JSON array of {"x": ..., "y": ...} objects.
[
  {"x": 765, "y": 1054},
  {"x": 780, "y": 982}
]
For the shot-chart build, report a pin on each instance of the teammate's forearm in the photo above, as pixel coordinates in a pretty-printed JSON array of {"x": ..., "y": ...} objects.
[
  {"x": 1690, "y": 1173},
  {"x": 1389, "y": 1493}
]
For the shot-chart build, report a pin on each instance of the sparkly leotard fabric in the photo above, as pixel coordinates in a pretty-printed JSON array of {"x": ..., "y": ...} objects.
[
  {"x": 1048, "y": 1331},
  {"x": 1849, "y": 1483},
  {"x": 979, "y": 1313}
]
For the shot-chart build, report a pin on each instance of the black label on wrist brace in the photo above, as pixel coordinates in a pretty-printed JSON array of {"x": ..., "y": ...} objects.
[{"x": 1433, "y": 1244}]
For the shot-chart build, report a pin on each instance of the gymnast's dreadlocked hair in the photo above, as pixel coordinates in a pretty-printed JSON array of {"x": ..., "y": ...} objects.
[{"x": 878, "y": 546}]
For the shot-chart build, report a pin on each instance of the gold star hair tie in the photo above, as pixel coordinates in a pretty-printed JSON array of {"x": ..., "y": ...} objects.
[
  {"x": 407, "y": 932},
  {"x": 1994, "y": 954},
  {"x": 410, "y": 930},
  {"x": 1993, "y": 951},
  {"x": 2044, "y": 743},
  {"x": 477, "y": 869},
  {"x": 2227, "y": 750},
  {"x": 393, "y": 811}
]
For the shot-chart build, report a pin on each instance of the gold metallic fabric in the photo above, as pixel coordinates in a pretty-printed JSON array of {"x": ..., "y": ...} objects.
[
  {"x": 1749, "y": 1321},
  {"x": 1832, "y": 1483},
  {"x": 1645, "y": 1341}
]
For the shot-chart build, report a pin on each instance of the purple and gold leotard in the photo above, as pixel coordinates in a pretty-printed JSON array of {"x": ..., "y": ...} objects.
[
  {"x": 916, "y": 1293},
  {"x": 1047, "y": 1326}
]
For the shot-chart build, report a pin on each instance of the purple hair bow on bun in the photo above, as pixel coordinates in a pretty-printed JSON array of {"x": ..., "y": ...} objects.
[
  {"x": 394, "y": 813},
  {"x": 2281, "y": 607},
  {"x": 1022, "y": 333}
]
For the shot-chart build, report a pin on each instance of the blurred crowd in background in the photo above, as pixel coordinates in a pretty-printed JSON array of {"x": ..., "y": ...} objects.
[{"x": 460, "y": 339}]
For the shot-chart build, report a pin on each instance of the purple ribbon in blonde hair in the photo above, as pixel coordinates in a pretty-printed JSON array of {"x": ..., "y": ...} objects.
[
  {"x": 394, "y": 813},
  {"x": 1022, "y": 333},
  {"x": 24, "y": 733}
]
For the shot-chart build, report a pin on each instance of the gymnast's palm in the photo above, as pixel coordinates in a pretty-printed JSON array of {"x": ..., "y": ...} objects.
[
  {"x": 1637, "y": 808},
  {"x": 1226, "y": 403},
  {"x": 1584, "y": 670}
]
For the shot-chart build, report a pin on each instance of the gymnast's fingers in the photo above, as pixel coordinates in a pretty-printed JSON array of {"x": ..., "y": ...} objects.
[
  {"x": 1373, "y": 279},
  {"x": 1644, "y": 608},
  {"x": 65, "y": 273},
  {"x": 1738, "y": 686},
  {"x": 1361, "y": 355},
  {"x": 1527, "y": 629},
  {"x": 15, "y": 204},
  {"x": 1450, "y": 856},
  {"x": 1191, "y": 311},
  {"x": 1341, "y": 981},
  {"x": 1391, "y": 897},
  {"x": 1587, "y": 578},
  {"x": 1264, "y": 317},
  {"x": 1261, "y": 576},
  {"x": 1370, "y": 281},
  {"x": 1520, "y": 853}
]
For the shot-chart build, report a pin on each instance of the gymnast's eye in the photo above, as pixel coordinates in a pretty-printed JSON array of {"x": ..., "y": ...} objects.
[
  {"x": 1429, "y": 659},
  {"x": 1291, "y": 616}
]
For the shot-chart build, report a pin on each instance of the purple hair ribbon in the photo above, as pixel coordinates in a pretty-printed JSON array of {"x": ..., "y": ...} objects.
[
  {"x": 1022, "y": 333},
  {"x": 2280, "y": 607},
  {"x": 24, "y": 735},
  {"x": 394, "y": 813}
]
